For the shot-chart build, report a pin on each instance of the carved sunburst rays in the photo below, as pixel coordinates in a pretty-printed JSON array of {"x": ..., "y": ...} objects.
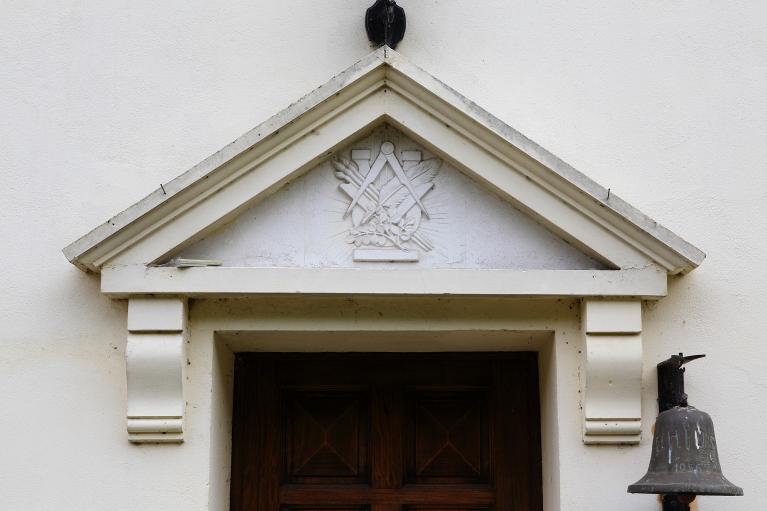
[
  {"x": 435, "y": 227},
  {"x": 448, "y": 436},
  {"x": 333, "y": 215},
  {"x": 325, "y": 436}
]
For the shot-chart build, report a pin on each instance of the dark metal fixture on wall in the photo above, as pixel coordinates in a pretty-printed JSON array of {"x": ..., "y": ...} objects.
[
  {"x": 385, "y": 23},
  {"x": 684, "y": 462}
]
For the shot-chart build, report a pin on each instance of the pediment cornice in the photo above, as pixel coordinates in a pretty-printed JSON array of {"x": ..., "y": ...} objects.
[{"x": 384, "y": 88}]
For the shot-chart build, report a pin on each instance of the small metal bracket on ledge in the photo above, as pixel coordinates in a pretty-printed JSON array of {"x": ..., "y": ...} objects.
[
  {"x": 385, "y": 23},
  {"x": 180, "y": 262}
]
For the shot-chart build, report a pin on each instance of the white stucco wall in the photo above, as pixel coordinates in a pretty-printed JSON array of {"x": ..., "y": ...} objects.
[{"x": 100, "y": 102}]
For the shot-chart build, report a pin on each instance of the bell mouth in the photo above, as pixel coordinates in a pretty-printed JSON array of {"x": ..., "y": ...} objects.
[{"x": 710, "y": 484}]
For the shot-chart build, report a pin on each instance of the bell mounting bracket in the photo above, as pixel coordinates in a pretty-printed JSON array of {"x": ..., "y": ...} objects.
[{"x": 671, "y": 381}]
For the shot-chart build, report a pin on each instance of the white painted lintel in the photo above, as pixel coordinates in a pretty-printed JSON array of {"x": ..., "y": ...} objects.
[{"x": 122, "y": 281}]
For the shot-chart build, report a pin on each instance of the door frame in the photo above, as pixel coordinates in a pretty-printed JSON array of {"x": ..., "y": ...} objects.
[{"x": 219, "y": 329}]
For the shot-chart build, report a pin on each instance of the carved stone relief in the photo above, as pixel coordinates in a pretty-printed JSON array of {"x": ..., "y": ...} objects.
[
  {"x": 386, "y": 201},
  {"x": 386, "y": 210}
]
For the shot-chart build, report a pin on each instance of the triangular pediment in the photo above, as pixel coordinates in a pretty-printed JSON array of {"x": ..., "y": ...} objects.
[
  {"x": 544, "y": 213},
  {"x": 349, "y": 212}
]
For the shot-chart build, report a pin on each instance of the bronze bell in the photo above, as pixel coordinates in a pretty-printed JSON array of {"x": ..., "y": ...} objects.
[
  {"x": 684, "y": 457},
  {"x": 684, "y": 460}
]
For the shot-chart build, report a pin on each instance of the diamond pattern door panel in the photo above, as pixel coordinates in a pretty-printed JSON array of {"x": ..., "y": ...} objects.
[
  {"x": 327, "y": 436},
  {"x": 386, "y": 432},
  {"x": 449, "y": 434}
]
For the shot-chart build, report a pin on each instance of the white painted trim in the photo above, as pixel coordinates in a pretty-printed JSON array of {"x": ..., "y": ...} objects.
[
  {"x": 251, "y": 182},
  {"x": 512, "y": 180},
  {"x": 122, "y": 281},
  {"x": 260, "y": 140},
  {"x": 254, "y": 181},
  {"x": 154, "y": 365},
  {"x": 156, "y": 315},
  {"x": 155, "y": 431},
  {"x": 390, "y": 325},
  {"x": 612, "y": 407},
  {"x": 613, "y": 317},
  {"x": 664, "y": 245},
  {"x": 383, "y": 70}
]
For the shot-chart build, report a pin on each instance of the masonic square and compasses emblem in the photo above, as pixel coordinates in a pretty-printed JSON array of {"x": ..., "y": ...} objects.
[{"x": 386, "y": 202}]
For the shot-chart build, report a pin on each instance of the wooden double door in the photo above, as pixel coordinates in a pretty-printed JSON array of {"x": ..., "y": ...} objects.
[{"x": 386, "y": 432}]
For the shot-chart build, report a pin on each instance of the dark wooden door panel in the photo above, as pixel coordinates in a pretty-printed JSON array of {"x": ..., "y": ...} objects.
[
  {"x": 386, "y": 432},
  {"x": 419, "y": 508},
  {"x": 327, "y": 437},
  {"x": 448, "y": 437},
  {"x": 331, "y": 508},
  {"x": 408, "y": 495}
]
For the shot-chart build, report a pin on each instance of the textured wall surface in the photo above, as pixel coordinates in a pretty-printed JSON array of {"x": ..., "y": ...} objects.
[{"x": 100, "y": 102}]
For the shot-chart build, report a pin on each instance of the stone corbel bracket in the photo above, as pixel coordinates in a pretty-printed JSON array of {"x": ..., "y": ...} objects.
[
  {"x": 155, "y": 364},
  {"x": 613, "y": 395}
]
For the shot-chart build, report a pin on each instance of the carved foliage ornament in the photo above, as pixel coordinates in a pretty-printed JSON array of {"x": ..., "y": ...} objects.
[{"x": 385, "y": 202}]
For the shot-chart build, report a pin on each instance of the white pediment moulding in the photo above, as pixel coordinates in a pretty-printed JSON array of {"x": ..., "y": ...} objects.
[
  {"x": 632, "y": 254},
  {"x": 383, "y": 88}
]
